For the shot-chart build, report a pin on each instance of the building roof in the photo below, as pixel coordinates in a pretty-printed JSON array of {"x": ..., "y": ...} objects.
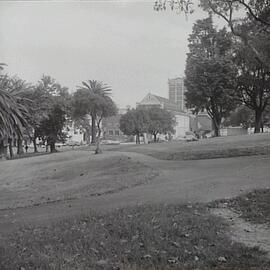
[
  {"x": 151, "y": 100},
  {"x": 176, "y": 79},
  {"x": 162, "y": 99}
]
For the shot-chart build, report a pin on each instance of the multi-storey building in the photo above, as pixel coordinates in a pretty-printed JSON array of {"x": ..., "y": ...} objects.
[{"x": 177, "y": 92}]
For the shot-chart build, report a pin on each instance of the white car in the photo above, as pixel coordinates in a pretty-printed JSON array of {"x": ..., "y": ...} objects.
[
  {"x": 190, "y": 136},
  {"x": 59, "y": 144},
  {"x": 110, "y": 142},
  {"x": 73, "y": 143}
]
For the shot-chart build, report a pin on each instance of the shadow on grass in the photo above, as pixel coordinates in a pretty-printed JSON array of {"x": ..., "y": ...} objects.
[{"x": 27, "y": 155}]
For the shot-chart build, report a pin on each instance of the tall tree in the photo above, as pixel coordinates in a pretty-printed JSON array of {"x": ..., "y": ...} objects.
[
  {"x": 266, "y": 117},
  {"x": 89, "y": 99},
  {"x": 135, "y": 122},
  {"x": 161, "y": 122},
  {"x": 13, "y": 114},
  {"x": 253, "y": 81},
  {"x": 255, "y": 11},
  {"x": 106, "y": 109},
  {"x": 93, "y": 98},
  {"x": 39, "y": 107},
  {"x": 18, "y": 88},
  {"x": 52, "y": 107},
  {"x": 210, "y": 72},
  {"x": 51, "y": 128}
]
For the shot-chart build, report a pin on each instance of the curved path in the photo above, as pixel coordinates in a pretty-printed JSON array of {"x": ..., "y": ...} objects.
[{"x": 173, "y": 182}]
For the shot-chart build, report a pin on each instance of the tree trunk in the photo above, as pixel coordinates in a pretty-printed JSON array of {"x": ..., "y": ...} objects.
[
  {"x": 144, "y": 141},
  {"x": 35, "y": 143},
  {"x": 98, "y": 149},
  {"x": 216, "y": 124},
  {"x": 93, "y": 129},
  {"x": 258, "y": 120},
  {"x": 155, "y": 137},
  {"x": 19, "y": 146},
  {"x": 137, "y": 138},
  {"x": 2, "y": 150},
  {"x": 10, "y": 147},
  {"x": 52, "y": 147},
  {"x": 87, "y": 135}
]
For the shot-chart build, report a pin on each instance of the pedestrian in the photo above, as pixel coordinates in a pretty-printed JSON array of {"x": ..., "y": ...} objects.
[{"x": 26, "y": 148}]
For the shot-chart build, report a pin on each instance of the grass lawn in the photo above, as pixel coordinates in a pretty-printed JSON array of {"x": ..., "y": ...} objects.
[
  {"x": 218, "y": 147},
  {"x": 132, "y": 238},
  {"x": 68, "y": 175},
  {"x": 138, "y": 237}
]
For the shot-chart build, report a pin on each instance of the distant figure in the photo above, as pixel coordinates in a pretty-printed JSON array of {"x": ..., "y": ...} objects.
[{"x": 26, "y": 148}]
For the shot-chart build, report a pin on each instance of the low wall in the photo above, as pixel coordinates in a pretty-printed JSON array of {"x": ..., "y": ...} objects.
[{"x": 233, "y": 131}]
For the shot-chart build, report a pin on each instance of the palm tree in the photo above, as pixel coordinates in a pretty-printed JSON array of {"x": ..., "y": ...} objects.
[
  {"x": 95, "y": 92},
  {"x": 12, "y": 114},
  {"x": 2, "y": 66}
]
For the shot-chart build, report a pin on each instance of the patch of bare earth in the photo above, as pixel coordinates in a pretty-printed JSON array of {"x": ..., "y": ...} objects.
[
  {"x": 251, "y": 235},
  {"x": 254, "y": 206},
  {"x": 248, "y": 216}
]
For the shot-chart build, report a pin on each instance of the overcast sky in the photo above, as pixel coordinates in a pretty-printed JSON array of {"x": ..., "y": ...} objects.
[{"x": 125, "y": 44}]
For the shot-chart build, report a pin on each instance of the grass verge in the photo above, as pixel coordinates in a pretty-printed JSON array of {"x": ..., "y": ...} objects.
[
  {"x": 195, "y": 153},
  {"x": 142, "y": 237},
  {"x": 27, "y": 155},
  {"x": 219, "y": 147},
  {"x": 220, "y": 153}
]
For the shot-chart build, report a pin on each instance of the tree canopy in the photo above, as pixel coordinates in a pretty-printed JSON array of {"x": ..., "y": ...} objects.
[
  {"x": 135, "y": 122},
  {"x": 52, "y": 107},
  {"x": 13, "y": 113},
  {"x": 161, "y": 122},
  {"x": 151, "y": 120},
  {"x": 255, "y": 11},
  {"x": 93, "y": 98},
  {"x": 253, "y": 80},
  {"x": 210, "y": 72}
]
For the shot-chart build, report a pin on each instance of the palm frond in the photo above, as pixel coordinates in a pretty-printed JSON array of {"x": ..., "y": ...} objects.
[
  {"x": 12, "y": 116},
  {"x": 96, "y": 88},
  {"x": 2, "y": 66}
]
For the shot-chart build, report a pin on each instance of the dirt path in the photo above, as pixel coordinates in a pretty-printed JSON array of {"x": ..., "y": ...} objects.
[
  {"x": 251, "y": 235},
  {"x": 78, "y": 181}
]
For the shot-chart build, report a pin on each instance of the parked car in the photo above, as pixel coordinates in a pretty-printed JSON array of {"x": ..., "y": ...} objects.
[
  {"x": 73, "y": 143},
  {"x": 180, "y": 138},
  {"x": 58, "y": 144},
  {"x": 110, "y": 142},
  {"x": 190, "y": 136}
]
